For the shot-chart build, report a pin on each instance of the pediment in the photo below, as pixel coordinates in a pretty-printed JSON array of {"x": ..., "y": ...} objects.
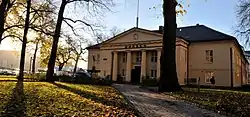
[{"x": 134, "y": 35}]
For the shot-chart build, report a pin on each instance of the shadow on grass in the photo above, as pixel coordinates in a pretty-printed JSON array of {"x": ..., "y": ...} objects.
[
  {"x": 16, "y": 105},
  {"x": 93, "y": 97}
]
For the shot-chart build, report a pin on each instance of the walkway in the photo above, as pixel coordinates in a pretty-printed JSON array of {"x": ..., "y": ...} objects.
[{"x": 151, "y": 104}]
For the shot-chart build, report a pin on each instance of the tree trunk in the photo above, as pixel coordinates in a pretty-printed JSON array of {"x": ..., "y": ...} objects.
[
  {"x": 2, "y": 17},
  {"x": 76, "y": 65},
  {"x": 169, "y": 80},
  {"x": 52, "y": 60},
  {"x": 60, "y": 66},
  {"x": 26, "y": 28},
  {"x": 34, "y": 58}
]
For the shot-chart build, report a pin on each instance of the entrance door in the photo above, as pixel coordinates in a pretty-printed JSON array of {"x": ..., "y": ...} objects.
[{"x": 135, "y": 75}]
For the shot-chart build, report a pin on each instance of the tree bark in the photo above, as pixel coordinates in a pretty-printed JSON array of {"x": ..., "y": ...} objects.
[
  {"x": 52, "y": 60},
  {"x": 26, "y": 28},
  {"x": 169, "y": 80},
  {"x": 2, "y": 17},
  {"x": 61, "y": 66},
  {"x": 76, "y": 65},
  {"x": 34, "y": 58}
]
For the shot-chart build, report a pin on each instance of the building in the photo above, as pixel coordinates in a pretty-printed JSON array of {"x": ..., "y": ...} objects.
[
  {"x": 10, "y": 59},
  {"x": 247, "y": 55},
  {"x": 201, "y": 52}
]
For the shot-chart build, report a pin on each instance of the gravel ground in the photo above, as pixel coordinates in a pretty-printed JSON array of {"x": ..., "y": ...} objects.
[{"x": 151, "y": 104}]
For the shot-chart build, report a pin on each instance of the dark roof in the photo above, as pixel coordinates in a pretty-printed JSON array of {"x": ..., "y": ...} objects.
[{"x": 199, "y": 33}]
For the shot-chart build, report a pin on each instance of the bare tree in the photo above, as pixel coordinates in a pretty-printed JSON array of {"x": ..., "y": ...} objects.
[
  {"x": 64, "y": 54},
  {"x": 78, "y": 49},
  {"x": 243, "y": 15},
  {"x": 96, "y": 5}
]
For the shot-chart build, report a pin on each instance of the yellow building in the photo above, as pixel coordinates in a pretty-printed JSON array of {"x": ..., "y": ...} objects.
[{"x": 201, "y": 52}]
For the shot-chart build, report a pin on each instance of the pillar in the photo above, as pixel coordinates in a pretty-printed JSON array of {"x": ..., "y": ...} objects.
[
  {"x": 115, "y": 66},
  {"x": 143, "y": 65},
  {"x": 158, "y": 70},
  {"x": 128, "y": 69}
]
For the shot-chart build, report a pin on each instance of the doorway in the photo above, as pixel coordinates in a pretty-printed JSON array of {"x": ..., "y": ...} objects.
[{"x": 135, "y": 75}]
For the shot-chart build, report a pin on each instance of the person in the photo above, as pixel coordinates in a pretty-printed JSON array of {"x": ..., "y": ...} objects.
[{"x": 212, "y": 80}]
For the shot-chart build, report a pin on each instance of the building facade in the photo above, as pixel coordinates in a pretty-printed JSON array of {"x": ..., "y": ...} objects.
[{"x": 201, "y": 53}]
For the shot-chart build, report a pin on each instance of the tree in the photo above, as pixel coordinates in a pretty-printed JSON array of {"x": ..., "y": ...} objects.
[
  {"x": 4, "y": 8},
  {"x": 168, "y": 79},
  {"x": 26, "y": 28},
  {"x": 78, "y": 50},
  {"x": 64, "y": 54},
  {"x": 95, "y": 4},
  {"x": 243, "y": 15}
]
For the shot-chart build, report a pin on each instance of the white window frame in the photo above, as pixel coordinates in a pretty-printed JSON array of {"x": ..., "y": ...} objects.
[
  {"x": 154, "y": 56},
  {"x": 208, "y": 76},
  {"x": 138, "y": 57},
  {"x": 209, "y": 56},
  {"x": 153, "y": 73}
]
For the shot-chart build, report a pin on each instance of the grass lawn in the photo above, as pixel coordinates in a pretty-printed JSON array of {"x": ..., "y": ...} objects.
[
  {"x": 233, "y": 102},
  {"x": 60, "y": 99}
]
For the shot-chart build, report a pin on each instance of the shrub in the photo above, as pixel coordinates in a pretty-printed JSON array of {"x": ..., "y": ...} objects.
[
  {"x": 64, "y": 78},
  {"x": 146, "y": 81},
  {"x": 120, "y": 79},
  {"x": 39, "y": 76}
]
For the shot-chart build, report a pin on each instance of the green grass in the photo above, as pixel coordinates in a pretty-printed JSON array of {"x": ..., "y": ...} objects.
[
  {"x": 232, "y": 102},
  {"x": 60, "y": 99}
]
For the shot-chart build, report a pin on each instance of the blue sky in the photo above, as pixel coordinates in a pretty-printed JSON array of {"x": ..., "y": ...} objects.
[{"x": 217, "y": 14}]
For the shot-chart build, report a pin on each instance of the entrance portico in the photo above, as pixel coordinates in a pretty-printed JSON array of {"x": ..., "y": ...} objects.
[{"x": 135, "y": 55}]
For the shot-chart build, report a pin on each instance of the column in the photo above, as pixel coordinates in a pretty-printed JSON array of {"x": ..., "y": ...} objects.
[
  {"x": 143, "y": 65},
  {"x": 115, "y": 66},
  {"x": 158, "y": 70},
  {"x": 129, "y": 64}
]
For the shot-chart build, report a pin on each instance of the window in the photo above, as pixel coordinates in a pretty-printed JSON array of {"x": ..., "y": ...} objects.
[
  {"x": 123, "y": 72},
  {"x": 98, "y": 58},
  {"x": 209, "y": 56},
  {"x": 154, "y": 56},
  {"x": 208, "y": 76},
  {"x": 138, "y": 57},
  {"x": 124, "y": 57},
  {"x": 153, "y": 73}
]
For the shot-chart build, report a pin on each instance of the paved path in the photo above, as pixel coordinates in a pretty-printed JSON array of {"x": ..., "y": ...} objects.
[{"x": 151, "y": 104}]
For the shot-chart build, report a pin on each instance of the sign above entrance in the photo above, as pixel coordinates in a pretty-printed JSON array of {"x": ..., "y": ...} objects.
[{"x": 135, "y": 46}]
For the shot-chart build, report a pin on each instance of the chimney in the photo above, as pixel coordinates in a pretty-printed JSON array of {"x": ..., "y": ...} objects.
[{"x": 161, "y": 28}]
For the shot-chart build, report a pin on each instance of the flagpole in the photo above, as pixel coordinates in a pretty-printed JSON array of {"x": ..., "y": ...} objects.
[{"x": 137, "y": 17}]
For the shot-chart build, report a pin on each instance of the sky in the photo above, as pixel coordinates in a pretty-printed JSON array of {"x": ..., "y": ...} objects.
[{"x": 217, "y": 14}]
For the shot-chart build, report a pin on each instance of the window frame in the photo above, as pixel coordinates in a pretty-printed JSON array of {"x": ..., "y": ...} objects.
[
  {"x": 153, "y": 57},
  {"x": 153, "y": 73},
  {"x": 211, "y": 74},
  {"x": 209, "y": 56},
  {"x": 138, "y": 57}
]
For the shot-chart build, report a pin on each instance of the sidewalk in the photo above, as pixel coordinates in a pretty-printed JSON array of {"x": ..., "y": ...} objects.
[{"x": 151, "y": 104}]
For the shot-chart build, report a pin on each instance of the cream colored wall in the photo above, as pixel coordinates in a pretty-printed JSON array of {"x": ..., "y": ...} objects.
[
  {"x": 103, "y": 65},
  {"x": 221, "y": 61},
  {"x": 150, "y": 65},
  {"x": 142, "y": 36},
  {"x": 181, "y": 63}
]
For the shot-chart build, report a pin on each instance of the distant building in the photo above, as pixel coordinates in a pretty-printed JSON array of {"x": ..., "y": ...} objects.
[
  {"x": 201, "y": 52},
  {"x": 10, "y": 59}
]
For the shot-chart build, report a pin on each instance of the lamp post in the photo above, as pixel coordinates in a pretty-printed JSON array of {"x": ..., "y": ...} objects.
[{"x": 30, "y": 64}]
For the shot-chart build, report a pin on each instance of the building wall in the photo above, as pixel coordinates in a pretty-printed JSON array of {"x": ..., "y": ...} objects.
[
  {"x": 220, "y": 65},
  {"x": 11, "y": 60}
]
